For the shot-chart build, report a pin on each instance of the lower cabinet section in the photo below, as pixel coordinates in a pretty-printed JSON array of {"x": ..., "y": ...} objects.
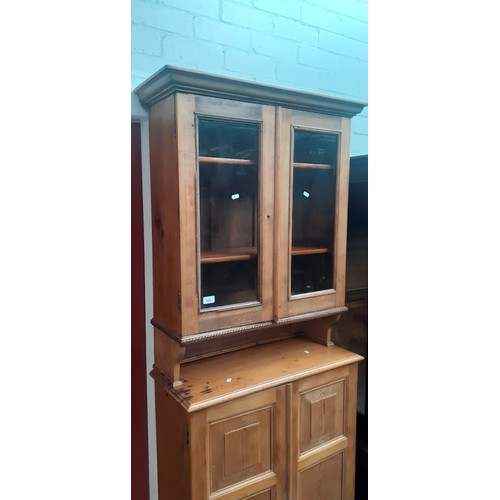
[{"x": 293, "y": 441}]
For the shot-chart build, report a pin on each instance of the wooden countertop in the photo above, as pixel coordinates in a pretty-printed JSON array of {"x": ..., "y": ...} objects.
[{"x": 221, "y": 378}]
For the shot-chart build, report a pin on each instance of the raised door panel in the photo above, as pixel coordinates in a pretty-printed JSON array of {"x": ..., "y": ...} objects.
[
  {"x": 240, "y": 448},
  {"x": 322, "y": 481},
  {"x": 226, "y": 185},
  {"x": 321, "y": 415},
  {"x": 312, "y": 174}
]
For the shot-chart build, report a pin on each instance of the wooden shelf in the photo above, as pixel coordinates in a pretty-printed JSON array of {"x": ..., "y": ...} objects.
[
  {"x": 320, "y": 166},
  {"x": 230, "y": 255},
  {"x": 308, "y": 250},
  {"x": 210, "y": 381},
  {"x": 226, "y": 161}
]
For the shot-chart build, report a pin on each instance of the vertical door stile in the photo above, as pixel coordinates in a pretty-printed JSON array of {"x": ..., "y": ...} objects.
[{"x": 341, "y": 212}]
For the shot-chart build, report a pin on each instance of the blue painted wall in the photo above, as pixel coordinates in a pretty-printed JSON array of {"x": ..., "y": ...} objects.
[{"x": 315, "y": 45}]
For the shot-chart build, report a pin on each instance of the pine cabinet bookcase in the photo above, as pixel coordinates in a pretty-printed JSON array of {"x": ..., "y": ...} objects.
[{"x": 249, "y": 191}]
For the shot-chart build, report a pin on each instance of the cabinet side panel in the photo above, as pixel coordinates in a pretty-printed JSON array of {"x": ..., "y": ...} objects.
[
  {"x": 172, "y": 448},
  {"x": 186, "y": 140},
  {"x": 350, "y": 452},
  {"x": 165, "y": 214}
]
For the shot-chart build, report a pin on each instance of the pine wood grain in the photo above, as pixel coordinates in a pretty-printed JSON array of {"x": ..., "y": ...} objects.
[
  {"x": 214, "y": 380},
  {"x": 308, "y": 251},
  {"x": 188, "y": 108},
  {"x": 225, "y": 161},
  {"x": 187, "y": 214},
  {"x": 173, "y": 456},
  {"x": 320, "y": 166},
  {"x": 341, "y": 213},
  {"x": 323, "y": 480},
  {"x": 325, "y": 435},
  {"x": 237, "y": 448},
  {"x": 282, "y": 213},
  {"x": 164, "y": 203},
  {"x": 262, "y": 438},
  {"x": 231, "y": 255}
]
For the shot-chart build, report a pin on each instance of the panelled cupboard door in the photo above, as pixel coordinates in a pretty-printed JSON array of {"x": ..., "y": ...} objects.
[
  {"x": 226, "y": 202},
  {"x": 323, "y": 436},
  {"x": 239, "y": 448},
  {"x": 312, "y": 176}
]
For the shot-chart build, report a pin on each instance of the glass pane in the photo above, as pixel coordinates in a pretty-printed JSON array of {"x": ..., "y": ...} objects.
[
  {"x": 227, "y": 140},
  {"x": 311, "y": 273},
  {"x": 228, "y": 283},
  {"x": 228, "y": 215},
  {"x": 314, "y": 147},
  {"x": 313, "y": 212}
]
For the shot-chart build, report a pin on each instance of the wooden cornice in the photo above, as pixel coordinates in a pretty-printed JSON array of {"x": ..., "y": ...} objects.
[{"x": 169, "y": 80}]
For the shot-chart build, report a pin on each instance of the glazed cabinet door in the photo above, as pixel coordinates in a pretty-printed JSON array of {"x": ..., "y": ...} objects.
[
  {"x": 323, "y": 436},
  {"x": 312, "y": 176},
  {"x": 238, "y": 449},
  {"x": 226, "y": 182}
]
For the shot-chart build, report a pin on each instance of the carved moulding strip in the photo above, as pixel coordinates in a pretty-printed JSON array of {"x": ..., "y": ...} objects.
[
  {"x": 312, "y": 315},
  {"x": 202, "y": 337}
]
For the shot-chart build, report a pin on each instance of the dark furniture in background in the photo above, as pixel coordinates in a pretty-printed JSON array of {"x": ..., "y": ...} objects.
[{"x": 351, "y": 331}]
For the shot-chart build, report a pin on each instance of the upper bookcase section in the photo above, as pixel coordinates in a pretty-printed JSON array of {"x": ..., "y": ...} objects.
[{"x": 170, "y": 79}]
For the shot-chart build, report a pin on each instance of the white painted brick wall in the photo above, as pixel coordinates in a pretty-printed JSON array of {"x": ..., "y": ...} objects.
[{"x": 315, "y": 45}]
